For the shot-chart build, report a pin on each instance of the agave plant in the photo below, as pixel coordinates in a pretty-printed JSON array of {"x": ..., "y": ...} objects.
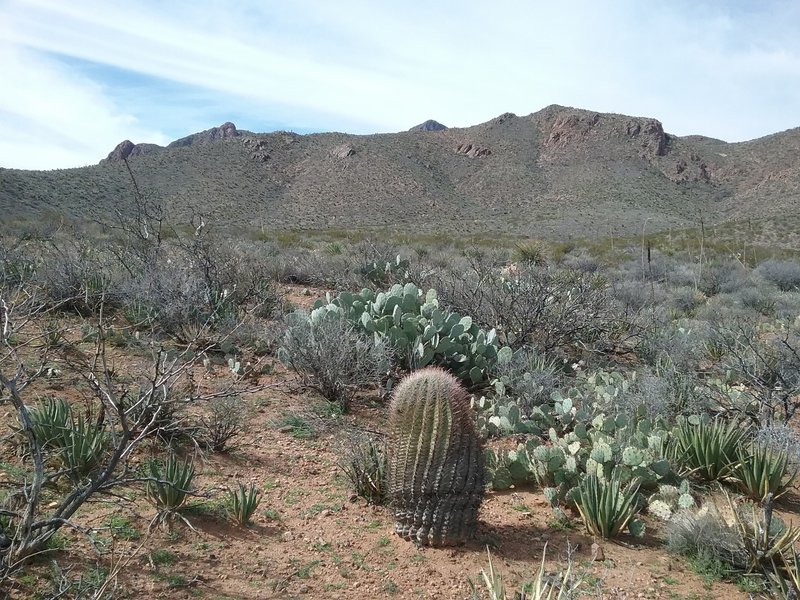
[
  {"x": 607, "y": 507},
  {"x": 763, "y": 470},
  {"x": 51, "y": 421},
  {"x": 707, "y": 450},
  {"x": 243, "y": 503},
  {"x": 82, "y": 446},
  {"x": 169, "y": 489}
]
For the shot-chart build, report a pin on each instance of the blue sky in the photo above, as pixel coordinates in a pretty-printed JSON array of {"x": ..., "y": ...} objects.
[{"x": 79, "y": 76}]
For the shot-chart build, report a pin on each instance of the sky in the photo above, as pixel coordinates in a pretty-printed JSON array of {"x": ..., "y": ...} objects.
[{"x": 79, "y": 76}]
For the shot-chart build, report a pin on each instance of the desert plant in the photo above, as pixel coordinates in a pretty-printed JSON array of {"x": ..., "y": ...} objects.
[
  {"x": 243, "y": 502},
  {"x": 82, "y": 446},
  {"x": 435, "y": 471},
  {"x": 224, "y": 421},
  {"x": 707, "y": 450},
  {"x": 608, "y": 507},
  {"x": 50, "y": 422},
  {"x": 539, "y": 589},
  {"x": 702, "y": 533},
  {"x": 785, "y": 274},
  {"x": 364, "y": 465},
  {"x": 765, "y": 538},
  {"x": 762, "y": 471},
  {"x": 332, "y": 356},
  {"x": 170, "y": 488}
]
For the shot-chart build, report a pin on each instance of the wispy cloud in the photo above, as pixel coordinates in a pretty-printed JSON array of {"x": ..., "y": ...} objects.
[{"x": 92, "y": 73}]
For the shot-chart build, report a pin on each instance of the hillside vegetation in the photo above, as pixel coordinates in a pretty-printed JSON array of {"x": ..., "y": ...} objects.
[{"x": 560, "y": 173}]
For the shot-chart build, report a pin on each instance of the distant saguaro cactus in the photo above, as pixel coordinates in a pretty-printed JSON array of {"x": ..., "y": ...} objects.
[{"x": 435, "y": 460}]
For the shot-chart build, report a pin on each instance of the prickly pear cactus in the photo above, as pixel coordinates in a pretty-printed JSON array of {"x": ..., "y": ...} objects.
[{"x": 435, "y": 461}]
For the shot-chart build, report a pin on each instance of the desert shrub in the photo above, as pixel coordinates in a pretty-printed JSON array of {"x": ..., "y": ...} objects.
[
  {"x": 225, "y": 420},
  {"x": 763, "y": 361},
  {"x": 633, "y": 296},
  {"x": 581, "y": 260},
  {"x": 779, "y": 437},
  {"x": 704, "y": 534},
  {"x": 758, "y": 298},
  {"x": 18, "y": 262},
  {"x": 721, "y": 275},
  {"x": 529, "y": 377},
  {"x": 544, "y": 307},
  {"x": 785, "y": 274},
  {"x": 679, "y": 344},
  {"x": 685, "y": 300},
  {"x": 666, "y": 393},
  {"x": 77, "y": 276},
  {"x": 787, "y": 305},
  {"x": 656, "y": 269},
  {"x": 684, "y": 275},
  {"x": 332, "y": 356}
]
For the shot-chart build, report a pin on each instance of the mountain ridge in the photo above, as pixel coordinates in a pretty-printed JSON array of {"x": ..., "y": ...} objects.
[{"x": 560, "y": 171}]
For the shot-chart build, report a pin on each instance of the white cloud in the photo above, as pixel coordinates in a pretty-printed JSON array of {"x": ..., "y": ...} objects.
[
  {"x": 51, "y": 117},
  {"x": 730, "y": 71}
]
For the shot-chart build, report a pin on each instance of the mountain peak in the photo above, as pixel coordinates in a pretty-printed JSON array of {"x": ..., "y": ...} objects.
[{"x": 429, "y": 125}]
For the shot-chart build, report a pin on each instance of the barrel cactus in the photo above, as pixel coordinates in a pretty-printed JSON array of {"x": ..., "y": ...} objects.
[{"x": 435, "y": 461}]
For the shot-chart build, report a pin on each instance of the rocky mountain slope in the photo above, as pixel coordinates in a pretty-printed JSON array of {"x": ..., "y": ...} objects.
[{"x": 559, "y": 172}]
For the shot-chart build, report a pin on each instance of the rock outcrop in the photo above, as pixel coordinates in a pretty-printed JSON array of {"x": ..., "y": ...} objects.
[
  {"x": 226, "y": 130},
  {"x": 429, "y": 125},
  {"x": 472, "y": 150},
  {"x": 650, "y": 135},
  {"x": 127, "y": 149},
  {"x": 342, "y": 151}
]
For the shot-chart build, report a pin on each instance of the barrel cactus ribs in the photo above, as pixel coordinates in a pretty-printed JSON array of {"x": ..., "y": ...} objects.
[{"x": 435, "y": 460}]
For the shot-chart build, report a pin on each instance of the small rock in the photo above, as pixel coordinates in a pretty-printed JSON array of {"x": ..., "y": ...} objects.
[
  {"x": 597, "y": 553},
  {"x": 287, "y": 536}
]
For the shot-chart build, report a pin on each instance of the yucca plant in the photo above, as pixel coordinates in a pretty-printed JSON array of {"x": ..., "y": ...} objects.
[
  {"x": 763, "y": 470},
  {"x": 364, "y": 464},
  {"x": 766, "y": 540},
  {"x": 538, "y": 589},
  {"x": 82, "y": 447},
  {"x": 707, "y": 450},
  {"x": 170, "y": 488},
  {"x": 784, "y": 576},
  {"x": 50, "y": 422},
  {"x": 243, "y": 503},
  {"x": 607, "y": 507}
]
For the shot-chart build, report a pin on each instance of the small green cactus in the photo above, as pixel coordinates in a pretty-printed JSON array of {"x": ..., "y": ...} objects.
[{"x": 435, "y": 471}]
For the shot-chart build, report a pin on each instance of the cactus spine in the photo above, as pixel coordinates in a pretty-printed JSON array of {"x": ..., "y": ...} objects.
[{"x": 435, "y": 466}]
